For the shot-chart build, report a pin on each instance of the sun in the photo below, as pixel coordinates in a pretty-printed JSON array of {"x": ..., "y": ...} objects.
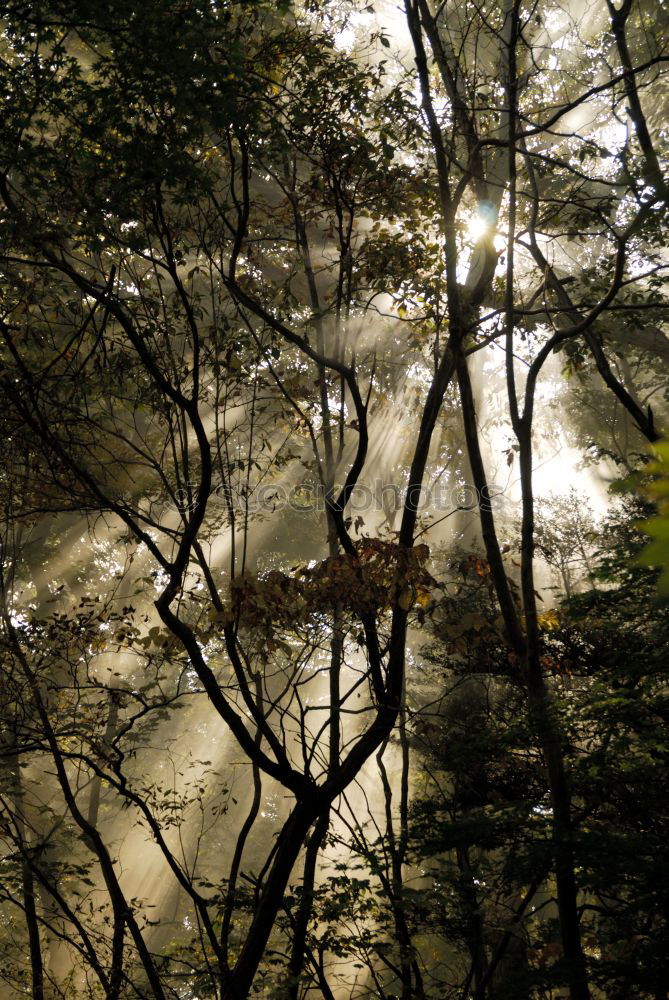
[{"x": 477, "y": 226}]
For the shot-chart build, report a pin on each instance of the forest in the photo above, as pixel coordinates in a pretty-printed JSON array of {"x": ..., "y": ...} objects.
[{"x": 334, "y": 499}]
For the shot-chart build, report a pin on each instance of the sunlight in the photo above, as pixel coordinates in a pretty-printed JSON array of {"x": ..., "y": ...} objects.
[
  {"x": 477, "y": 226},
  {"x": 482, "y": 221},
  {"x": 329, "y": 336}
]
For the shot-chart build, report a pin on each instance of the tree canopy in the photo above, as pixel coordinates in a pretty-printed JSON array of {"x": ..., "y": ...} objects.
[{"x": 330, "y": 666}]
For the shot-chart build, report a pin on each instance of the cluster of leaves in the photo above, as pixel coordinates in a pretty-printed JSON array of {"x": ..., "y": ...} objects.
[
  {"x": 656, "y": 553},
  {"x": 617, "y": 635},
  {"x": 380, "y": 575},
  {"x": 479, "y": 831}
]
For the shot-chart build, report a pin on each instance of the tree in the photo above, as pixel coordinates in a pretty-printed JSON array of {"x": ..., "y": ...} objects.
[{"x": 235, "y": 264}]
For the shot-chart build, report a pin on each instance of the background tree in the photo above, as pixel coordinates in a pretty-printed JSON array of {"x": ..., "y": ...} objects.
[{"x": 226, "y": 274}]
